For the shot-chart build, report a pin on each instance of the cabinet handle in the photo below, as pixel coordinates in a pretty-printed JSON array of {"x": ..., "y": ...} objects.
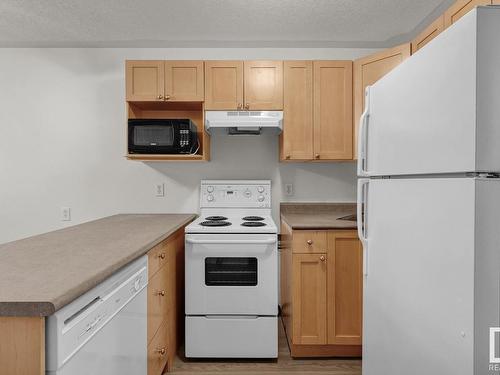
[
  {"x": 167, "y": 97},
  {"x": 247, "y": 106},
  {"x": 240, "y": 105},
  {"x": 161, "y": 351},
  {"x": 316, "y": 156},
  {"x": 160, "y": 96},
  {"x": 161, "y": 256},
  {"x": 161, "y": 293},
  {"x": 309, "y": 242},
  {"x": 322, "y": 258},
  {"x": 287, "y": 157}
]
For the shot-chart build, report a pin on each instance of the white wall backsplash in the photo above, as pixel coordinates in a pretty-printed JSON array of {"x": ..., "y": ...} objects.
[{"x": 62, "y": 142}]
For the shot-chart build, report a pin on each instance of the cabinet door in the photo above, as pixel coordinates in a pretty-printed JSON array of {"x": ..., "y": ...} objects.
[
  {"x": 144, "y": 80},
  {"x": 297, "y": 136},
  {"x": 184, "y": 81},
  {"x": 333, "y": 110},
  {"x": 263, "y": 85},
  {"x": 158, "y": 351},
  {"x": 460, "y": 8},
  {"x": 223, "y": 85},
  {"x": 309, "y": 299},
  {"x": 345, "y": 288},
  {"x": 158, "y": 296},
  {"x": 369, "y": 70},
  {"x": 428, "y": 34}
]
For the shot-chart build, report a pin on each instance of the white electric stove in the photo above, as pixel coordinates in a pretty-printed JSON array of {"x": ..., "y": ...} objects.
[{"x": 232, "y": 273}]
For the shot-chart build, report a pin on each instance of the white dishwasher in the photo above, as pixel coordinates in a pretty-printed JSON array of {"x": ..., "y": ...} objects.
[{"x": 103, "y": 331}]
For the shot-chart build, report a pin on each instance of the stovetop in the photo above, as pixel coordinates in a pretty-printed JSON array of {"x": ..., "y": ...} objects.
[
  {"x": 234, "y": 206},
  {"x": 233, "y": 223}
]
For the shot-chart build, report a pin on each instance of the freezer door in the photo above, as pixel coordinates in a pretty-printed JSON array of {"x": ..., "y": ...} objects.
[
  {"x": 438, "y": 111},
  {"x": 419, "y": 279}
]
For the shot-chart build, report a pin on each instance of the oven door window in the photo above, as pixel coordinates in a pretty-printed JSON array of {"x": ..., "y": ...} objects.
[{"x": 230, "y": 271}]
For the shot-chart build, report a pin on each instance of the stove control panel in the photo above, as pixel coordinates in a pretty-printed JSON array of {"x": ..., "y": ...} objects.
[{"x": 235, "y": 194}]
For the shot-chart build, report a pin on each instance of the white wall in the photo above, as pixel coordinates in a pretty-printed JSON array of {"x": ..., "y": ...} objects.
[{"x": 62, "y": 142}]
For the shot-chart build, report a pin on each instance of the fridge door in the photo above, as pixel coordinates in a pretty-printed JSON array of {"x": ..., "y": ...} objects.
[
  {"x": 438, "y": 111},
  {"x": 419, "y": 276}
]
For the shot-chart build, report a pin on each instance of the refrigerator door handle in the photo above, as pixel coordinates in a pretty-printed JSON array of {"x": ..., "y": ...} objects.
[
  {"x": 363, "y": 136},
  {"x": 362, "y": 220}
]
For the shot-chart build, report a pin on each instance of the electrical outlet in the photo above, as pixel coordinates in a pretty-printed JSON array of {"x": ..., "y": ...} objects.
[
  {"x": 65, "y": 214},
  {"x": 160, "y": 190},
  {"x": 288, "y": 189}
]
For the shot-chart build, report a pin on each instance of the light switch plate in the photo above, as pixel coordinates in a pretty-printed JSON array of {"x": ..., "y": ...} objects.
[
  {"x": 65, "y": 214},
  {"x": 160, "y": 190}
]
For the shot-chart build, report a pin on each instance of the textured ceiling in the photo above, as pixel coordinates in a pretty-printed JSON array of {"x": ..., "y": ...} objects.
[{"x": 190, "y": 23}]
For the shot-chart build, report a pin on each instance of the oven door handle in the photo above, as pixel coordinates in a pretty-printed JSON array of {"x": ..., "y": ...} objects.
[{"x": 244, "y": 242}]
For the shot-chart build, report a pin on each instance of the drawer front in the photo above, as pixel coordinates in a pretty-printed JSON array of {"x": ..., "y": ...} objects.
[
  {"x": 309, "y": 241},
  {"x": 158, "y": 351},
  {"x": 158, "y": 295},
  {"x": 157, "y": 257},
  {"x": 233, "y": 337}
]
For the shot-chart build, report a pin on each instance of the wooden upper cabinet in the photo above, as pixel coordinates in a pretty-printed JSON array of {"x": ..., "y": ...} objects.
[
  {"x": 144, "y": 80},
  {"x": 297, "y": 136},
  {"x": 263, "y": 81},
  {"x": 184, "y": 81},
  {"x": 309, "y": 295},
  {"x": 369, "y": 70},
  {"x": 332, "y": 110},
  {"x": 223, "y": 85},
  {"x": 460, "y": 8},
  {"x": 428, "y": 34},
  {"x": 345, "y": 288}
]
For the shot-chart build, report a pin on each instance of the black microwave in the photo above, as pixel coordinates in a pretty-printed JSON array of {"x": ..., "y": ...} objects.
[{"x": 162, "y": 136}]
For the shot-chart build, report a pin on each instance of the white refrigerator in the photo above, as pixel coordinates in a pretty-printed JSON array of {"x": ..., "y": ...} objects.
[{"x": 429, "y": 207}]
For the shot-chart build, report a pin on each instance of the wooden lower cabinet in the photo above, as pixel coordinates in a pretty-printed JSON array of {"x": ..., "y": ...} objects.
[
  {"x": 22, "y": 345},
  {"x": 165, "y": 302},
  {"x": 157, "y": 351},
  {"x": 321, "y": 292},
  {"x": 344, "y": 288},
  {"x": 309, "y": 287}
]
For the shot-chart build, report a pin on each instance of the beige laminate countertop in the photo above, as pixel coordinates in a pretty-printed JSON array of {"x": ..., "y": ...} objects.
[
  {"x": 318, "y": 215},
  {"x": 41, "y": 274}
]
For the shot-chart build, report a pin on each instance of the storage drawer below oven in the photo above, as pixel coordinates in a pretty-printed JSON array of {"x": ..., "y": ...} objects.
[{"x": 231, "y": 337}]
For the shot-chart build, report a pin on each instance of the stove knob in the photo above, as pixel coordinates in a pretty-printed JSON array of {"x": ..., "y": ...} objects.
[
  {"x": 210, "y": 198},
  {"x": 210, "y": 189},
  {"x": 260, "y": 189},
  {"x": 261, "y": 198}
]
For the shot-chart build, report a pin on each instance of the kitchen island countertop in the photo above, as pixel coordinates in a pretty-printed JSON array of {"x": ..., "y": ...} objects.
[{"x": 41, "y": 274}]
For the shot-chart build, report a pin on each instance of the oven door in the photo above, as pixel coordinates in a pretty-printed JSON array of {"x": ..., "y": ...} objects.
[{"x": 233, "y": 274}]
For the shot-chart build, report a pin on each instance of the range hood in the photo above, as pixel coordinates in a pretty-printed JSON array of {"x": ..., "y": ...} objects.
[{"x": 243, "y": 122}]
